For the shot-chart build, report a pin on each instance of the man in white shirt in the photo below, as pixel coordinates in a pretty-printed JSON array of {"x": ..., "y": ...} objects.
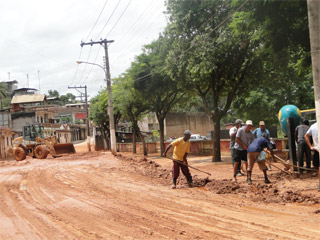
[
  {"x": 232, "y": 133},
  {"x": 313, "y": 131},
  {"x": 244, "y": 137}
]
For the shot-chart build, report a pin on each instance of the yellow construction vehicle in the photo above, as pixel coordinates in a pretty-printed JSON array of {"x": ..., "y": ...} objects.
[{"x": 33, "y": 144}]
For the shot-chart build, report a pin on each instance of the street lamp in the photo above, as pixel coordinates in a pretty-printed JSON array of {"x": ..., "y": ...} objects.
[
  {"x": 79, "y": 62},
  {"x": 110, "y": 106}
]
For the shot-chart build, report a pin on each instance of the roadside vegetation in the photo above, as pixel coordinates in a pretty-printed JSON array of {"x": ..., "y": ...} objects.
[{"x": 230, "y": 59}]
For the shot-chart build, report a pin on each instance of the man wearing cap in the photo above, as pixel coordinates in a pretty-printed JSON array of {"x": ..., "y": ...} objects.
[
  {"x": 259, "y": 131},
  {"x": 303, "y": 148},
  {"x": 244, "y": 137},
  {"x": 255, "y": 150},
  {"x": 180, "y": 153},
  {"x": 232, "y": 133},
  {"x": 262, "y": 129}
]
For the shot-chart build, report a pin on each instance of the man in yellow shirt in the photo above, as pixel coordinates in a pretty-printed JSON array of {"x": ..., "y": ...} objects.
[{"x": 180, "y": 153}]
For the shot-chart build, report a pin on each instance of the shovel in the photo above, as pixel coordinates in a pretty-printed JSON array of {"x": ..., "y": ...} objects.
[{"x": 182, "y": 163}]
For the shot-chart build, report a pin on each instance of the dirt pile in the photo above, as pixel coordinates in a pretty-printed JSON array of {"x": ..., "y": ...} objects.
[
  {"x": 269, "y": 193},
  {"x": 272, "y": 193}
]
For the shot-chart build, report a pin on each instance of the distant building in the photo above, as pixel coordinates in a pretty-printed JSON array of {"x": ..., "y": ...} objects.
[{"x": 176, "y": 123}]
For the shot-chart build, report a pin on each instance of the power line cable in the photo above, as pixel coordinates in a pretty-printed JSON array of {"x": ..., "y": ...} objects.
[
  {"x": 197, "y": 42},
  {"x": 141, "y": 28},
  {"x": 119, "y": 18},
  {"x": 96, "y": 20},
  {"x": 132, "y": 26},
  {"x": 143, "y": 25},
  {"x": 108, "y": 20},
  {"x": 77, "y": 67},
  {"x": 95, "y": 60},
  {"x": 111, "y": 29},
  {"x": 85, "y": 67}
]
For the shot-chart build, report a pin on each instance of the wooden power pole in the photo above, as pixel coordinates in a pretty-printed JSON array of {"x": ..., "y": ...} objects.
[
  {"x": 87, "y": 113},
  {"x": 110, "y": 106},
  {"x": 314, "y": 29}
]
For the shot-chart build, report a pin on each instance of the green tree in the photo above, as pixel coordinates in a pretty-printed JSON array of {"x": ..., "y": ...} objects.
[
  {"x": 67, "y": 99},
  {"x": 61, "y": 99},
  {"x": 4, "y": 96},
  {"x": 131, "y": 105},
  {"x": 53, "y": 93},
  {"x": 99, "y": 116},
  {"x": 216, "y": 63},
  {"x": 286, "y": 76},
  {"x": 154, "y": 83}
]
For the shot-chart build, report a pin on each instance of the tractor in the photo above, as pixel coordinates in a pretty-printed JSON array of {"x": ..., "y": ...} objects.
[{"x": 33, "y": 144}]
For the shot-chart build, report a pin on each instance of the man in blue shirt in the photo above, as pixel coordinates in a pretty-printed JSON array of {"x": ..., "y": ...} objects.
[
  {"x": 254, "y": 150},
  {"x": 262, "y": 129}
]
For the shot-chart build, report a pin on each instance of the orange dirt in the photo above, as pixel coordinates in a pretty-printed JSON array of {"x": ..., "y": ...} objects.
[{"x": 98, "y": 196}]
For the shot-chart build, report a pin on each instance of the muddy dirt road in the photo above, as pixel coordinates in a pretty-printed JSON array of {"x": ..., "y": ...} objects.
[{"x": 98, "y": 196}]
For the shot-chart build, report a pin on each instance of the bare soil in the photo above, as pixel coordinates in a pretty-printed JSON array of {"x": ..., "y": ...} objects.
[{"x": 95, "y": 195}]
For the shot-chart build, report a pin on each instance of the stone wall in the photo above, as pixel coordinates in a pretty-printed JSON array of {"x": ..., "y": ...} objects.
[{"x": 177, "y": 123}]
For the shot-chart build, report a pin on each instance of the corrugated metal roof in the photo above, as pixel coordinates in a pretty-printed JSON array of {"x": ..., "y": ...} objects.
[{"x": 28, "y": 98}]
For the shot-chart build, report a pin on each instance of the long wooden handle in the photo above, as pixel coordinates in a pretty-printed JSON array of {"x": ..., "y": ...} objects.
[{"x": 188, "y": 165}]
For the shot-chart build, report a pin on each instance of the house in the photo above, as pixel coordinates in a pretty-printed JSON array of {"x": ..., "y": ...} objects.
[
  {"x": 176, "y": 123},
  {"x": 6, "y": 137}
]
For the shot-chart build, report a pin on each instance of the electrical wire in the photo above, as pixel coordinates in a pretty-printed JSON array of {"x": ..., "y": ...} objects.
[
  {"x": 133, "y": 25},
  {"x": 97, "y": 38},
  {"x": 119, "y": 18},
  {"x": 196, "y": 43},
  {"x": 96, "y": 20},
  {"x": 111, "y": 31},
  {"x": 85, "y": 65},
  {"x": 134, "y": 39},
  {"x": 95, "y": 60},
  {"x": 141, "y": 28},
  {"x": 77, "y": 67},
  {"x": 108, "y": 20}
]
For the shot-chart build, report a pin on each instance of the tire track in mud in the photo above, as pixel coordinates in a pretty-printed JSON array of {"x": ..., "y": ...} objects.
[{"x": 102, "y": 197}]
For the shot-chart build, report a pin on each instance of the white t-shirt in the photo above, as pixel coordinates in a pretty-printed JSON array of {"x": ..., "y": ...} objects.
[
  {"x": 313, "y": 131},
  {"x": 233, "y": 139}
]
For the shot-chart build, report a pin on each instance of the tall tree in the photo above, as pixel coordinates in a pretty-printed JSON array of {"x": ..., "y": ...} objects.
[
  {"x": 216, "y": 61},
  {"x": 286, "y": 61},
  {"x": 99, "y": 116},
  {"x": 131, "y": 104},
  {"x": 154, "y": 83}
]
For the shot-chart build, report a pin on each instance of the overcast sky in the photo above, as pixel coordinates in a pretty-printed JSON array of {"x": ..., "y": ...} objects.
[{"x": 42, "y": 39}]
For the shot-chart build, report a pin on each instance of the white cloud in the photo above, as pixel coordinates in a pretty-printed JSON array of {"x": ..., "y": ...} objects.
[{"x": 46, "y": 36}]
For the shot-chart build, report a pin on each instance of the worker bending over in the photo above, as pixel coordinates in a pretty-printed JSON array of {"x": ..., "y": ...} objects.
[
  {"x": 180, "y": 153},
  {"x": 256, "y": 154}
]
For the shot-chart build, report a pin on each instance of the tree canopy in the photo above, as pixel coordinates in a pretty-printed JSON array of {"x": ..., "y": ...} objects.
[{"x": 242, "y": 59}]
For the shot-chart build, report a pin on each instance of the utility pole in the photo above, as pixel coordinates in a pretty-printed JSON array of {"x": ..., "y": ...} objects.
[
  {"x": 39, "y": 79},
  {"x": 110, "y": 106},
  {"x": 314, "y": 29},
  {"x": 27, "y": 80},
  {"x": 87, "y": 112}
]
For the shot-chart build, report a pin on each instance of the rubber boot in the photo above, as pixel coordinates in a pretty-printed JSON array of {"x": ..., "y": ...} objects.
[
  {"x": 190, "y": 184},
  {"x": 266, "y": 180},
  {"x": 174, "y": 185},
  {"x": 249, "y": 177}
]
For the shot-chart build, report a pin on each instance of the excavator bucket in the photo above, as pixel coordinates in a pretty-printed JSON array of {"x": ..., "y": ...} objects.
[{"x": 64, "y": 148}]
